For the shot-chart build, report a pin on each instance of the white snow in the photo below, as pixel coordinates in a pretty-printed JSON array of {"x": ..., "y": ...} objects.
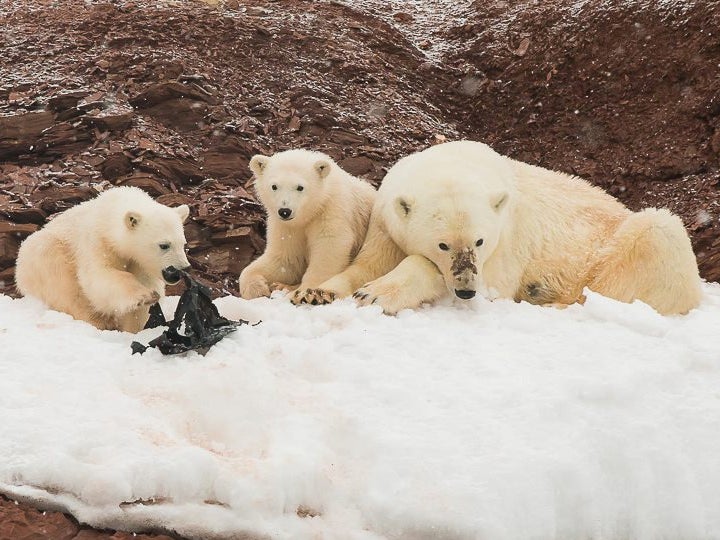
[{"x": 489, "y": 420}]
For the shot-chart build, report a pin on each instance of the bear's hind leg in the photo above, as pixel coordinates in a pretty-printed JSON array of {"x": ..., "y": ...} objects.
[
  {"x": 46, "y": 270},
  {"x": 134, "y": 320},
  {"x": 649, "y": 258}
]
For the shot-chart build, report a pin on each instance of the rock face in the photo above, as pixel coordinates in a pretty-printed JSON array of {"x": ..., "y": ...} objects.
[
  {"x": 21, "y": 522},
  {"x": 175, "y": 99}
]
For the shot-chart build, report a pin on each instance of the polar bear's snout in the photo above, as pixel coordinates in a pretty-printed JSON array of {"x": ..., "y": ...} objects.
[
  {"x": 464, "y": 271},
  {"x": 285, "y": 213},
  {"x": 172, "y": 275}
]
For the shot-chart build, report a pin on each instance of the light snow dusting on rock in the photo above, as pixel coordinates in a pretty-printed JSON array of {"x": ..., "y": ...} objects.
[
  {"x": 422, "y": 22},
  {"x": 478, "y": 420}
]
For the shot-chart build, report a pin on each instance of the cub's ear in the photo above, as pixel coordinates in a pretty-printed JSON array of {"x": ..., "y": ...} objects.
[
  {"x": 258, "y": 163},
  {"x": 132, "y": 220},
  {"x": 183, "y": 211},
  {"x": 322, "y": 167},
  {"x": 498, "y": 200},
  {"x": 403, "y": 205}
]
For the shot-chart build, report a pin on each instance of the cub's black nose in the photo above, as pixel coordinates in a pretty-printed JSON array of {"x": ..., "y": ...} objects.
[
  {"x": 171, "y": 274},
  {"x": 284, "y": 213},
  {"x": 465, "y": 295}
]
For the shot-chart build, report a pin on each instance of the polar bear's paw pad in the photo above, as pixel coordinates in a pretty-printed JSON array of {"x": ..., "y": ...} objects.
[{"x": 314, "y": 297}]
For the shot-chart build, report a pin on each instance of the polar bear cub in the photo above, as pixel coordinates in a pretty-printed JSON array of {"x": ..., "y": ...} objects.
[
  {"x": 317, "y": 217},
  {"x": 461, "y": 218},
  {"x": 106, "y": 260}
]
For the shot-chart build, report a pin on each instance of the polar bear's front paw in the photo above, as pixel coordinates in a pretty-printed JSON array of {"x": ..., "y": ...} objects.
[
  {"x": 384, "y": 293},
  {"x": 148, "y": 298},
  {"x": 254, "y": 288},
  {"x": 277, "y": 286},
  {"x": 140, "y": 298},
  {"x": 315, "y": 297}
]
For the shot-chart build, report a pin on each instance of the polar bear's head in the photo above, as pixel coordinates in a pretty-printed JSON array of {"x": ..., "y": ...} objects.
[
  {"x": 151, "y": 235},
  {"x": 456, "y": 238},
  {"x": 161, "y": 241},
  {"x": 451, "y": 205},
  {"x": 291, "y": 184}
]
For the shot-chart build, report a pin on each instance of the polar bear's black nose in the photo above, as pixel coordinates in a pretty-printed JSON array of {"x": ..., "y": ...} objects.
[
  {"x": 171, "y": 274},
  {"x": 465, "y": 295},
  {"x": 284, "y": 213}
]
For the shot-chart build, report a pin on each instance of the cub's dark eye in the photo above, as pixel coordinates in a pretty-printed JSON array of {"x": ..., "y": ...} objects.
[
  {"x": 274, "y": 187},
  {"x": 300, "y": 188},
  {"x": 479, "y": 243},
  {"x": 443, "y": 246},
  {"x": 164, "y": 246}
]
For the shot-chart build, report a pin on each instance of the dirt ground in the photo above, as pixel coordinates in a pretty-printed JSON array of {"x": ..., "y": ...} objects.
[{"x": 177, "y": 97}]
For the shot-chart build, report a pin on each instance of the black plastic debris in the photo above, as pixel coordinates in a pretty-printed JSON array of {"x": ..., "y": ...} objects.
[
  {"x": 196, "y": 326},
  {"x": 157, "y": 317}
]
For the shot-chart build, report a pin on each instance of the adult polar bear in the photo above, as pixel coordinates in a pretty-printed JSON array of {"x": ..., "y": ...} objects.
[{"x": 460, "y": 216}]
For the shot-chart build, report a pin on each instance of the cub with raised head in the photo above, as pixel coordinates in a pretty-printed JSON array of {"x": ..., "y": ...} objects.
[{"x": 317, "y": 217}]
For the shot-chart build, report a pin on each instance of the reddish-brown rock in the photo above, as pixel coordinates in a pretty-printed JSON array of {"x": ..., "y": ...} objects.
[{"x": 21, "y": 522}]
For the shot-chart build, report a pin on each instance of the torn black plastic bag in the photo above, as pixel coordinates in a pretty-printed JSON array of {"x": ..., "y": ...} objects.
[{"x": 196, "y": 316}]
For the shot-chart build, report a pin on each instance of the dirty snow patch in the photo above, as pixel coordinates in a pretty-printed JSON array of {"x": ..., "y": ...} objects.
[{"x": 477, "y": 420}]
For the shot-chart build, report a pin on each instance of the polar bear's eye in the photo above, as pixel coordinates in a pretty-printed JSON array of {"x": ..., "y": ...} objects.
[
  {"x": 300, "y": 188},
  {"x": 274, "y": 187},
  {"x": 164, "y": 246},
  {"x": 479, "y": 243},
  {"x": 443, "y": 246}
]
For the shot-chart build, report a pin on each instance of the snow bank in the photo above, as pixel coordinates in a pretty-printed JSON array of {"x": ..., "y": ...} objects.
[{"x": 483, "y": 420}]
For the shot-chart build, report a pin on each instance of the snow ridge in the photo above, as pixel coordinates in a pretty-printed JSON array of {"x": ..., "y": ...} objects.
[{"x": 461, "y": 420}]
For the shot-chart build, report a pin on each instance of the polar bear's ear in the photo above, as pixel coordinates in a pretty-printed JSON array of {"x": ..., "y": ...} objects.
[
  {"x": 403, "y": 205},
  {"x": 499, "y": 200},
  {"x": 183, "y": 211},
  {"x": 258, "y": 163},
  {"x": 322, "y": 167},
  {"x": 132, "y": 220}
]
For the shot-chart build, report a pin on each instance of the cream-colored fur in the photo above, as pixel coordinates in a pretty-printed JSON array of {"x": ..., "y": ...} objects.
[
  {"x": 543, "y": 237},
  {"x": 327, "y": 225},
  {"x": 101, "y": 261}
]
